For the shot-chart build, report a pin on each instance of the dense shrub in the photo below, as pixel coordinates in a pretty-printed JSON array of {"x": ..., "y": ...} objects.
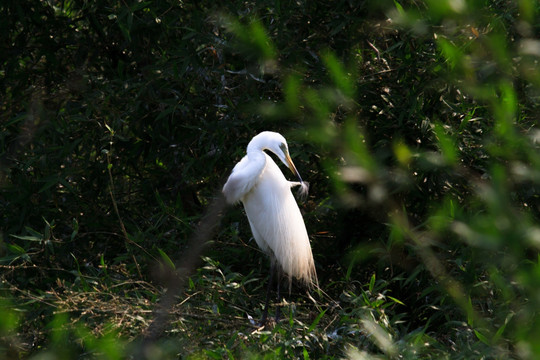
[{"x": 416, "y": 124}]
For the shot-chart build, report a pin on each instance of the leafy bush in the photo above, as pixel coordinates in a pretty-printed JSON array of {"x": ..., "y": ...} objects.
[{"x": 415, "y": 123}]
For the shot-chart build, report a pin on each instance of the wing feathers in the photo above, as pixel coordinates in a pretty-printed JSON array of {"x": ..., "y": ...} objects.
[{"x": 242, "y": 179}]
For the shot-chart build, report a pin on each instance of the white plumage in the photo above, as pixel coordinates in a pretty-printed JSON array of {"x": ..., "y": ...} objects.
[{"x": 275, "y": 219}]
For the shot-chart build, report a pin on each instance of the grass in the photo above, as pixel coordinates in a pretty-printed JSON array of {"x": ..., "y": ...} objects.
[{"x": 213, "y": 317}]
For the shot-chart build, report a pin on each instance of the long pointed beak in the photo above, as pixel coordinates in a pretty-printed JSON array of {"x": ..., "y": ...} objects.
[{"x": 292, "y": 167}]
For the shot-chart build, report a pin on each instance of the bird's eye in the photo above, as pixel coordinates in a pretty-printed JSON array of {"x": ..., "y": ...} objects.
[{"x": 283, "y": 148}]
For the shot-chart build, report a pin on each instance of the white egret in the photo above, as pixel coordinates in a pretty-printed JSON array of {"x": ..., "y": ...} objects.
[{"x": 275, "y": 219}]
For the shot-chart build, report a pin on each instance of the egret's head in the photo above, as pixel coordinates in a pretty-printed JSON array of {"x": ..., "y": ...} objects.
[{"x": 276, "y": 143}]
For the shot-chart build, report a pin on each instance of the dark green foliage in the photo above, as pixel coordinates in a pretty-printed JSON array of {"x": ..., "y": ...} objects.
[{"x": 416, "y": 123}]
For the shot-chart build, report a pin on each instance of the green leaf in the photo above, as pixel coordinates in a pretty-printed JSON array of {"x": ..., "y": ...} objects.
[
  {"x": 47, "y": 231},
  {"x": 469, "y": 309},
  {"x": 261, "y": 40},
  {"x": 501, "y": 329},
  {"x": 291, "y": 91},
  {"x": 451, "y": 52},
  {"x": 482, "y": 337},
  {"x": 28, "y": 237},
  {"x": 338, "y": 74},
  {"x": 505, "y": 110},
  {"x": 357, "y": 144},
  {"x": 10, "y": 318},
  {"x": 395, "y": 300},
  {"x": 14, "y": 248},
  {"x": 316, "y": 321},
  {"x": 399, "y": 8},
  {"x": 213, "y": 354},
  {"x": 372, "y": 283},
  {"x": 305, "y": 354},
  {"x": 75, "y": 227},
  {"x": 402, "y": 153},
  {"x": 166, "y": 259},
  {"x": 446, "y": 144}
]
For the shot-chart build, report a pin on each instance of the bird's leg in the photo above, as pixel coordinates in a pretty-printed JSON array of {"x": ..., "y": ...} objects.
[
  {"x": 268, "y": 290},
  {"x": 278, "y": 309}
]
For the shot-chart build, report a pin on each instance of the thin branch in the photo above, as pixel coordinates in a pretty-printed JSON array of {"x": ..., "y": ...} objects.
[{"x": 175, "y": 280}]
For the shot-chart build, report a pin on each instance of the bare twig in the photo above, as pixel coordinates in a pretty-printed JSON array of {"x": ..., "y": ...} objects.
[
  {"x": 174, "y": 280},
  {"x": 115, "y": 205}
]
